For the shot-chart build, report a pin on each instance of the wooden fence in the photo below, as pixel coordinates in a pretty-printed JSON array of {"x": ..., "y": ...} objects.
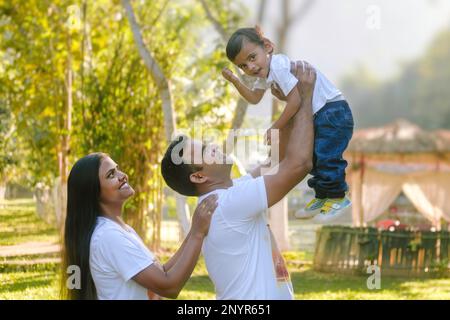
[{"x": 404, "y": 253}]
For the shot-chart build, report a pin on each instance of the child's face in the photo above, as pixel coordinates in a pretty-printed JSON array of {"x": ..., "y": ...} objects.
[{"x": 253, "y": 60}]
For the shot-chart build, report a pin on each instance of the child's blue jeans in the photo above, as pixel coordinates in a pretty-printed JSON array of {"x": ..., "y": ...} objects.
[{"x": 333, "y": 129}]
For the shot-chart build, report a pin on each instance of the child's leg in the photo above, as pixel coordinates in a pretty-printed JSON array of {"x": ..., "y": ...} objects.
[{"x": 333, "y": 126}]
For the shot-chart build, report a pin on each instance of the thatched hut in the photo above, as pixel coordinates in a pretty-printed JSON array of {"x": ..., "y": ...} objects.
[{"x": 399, "y": 157}]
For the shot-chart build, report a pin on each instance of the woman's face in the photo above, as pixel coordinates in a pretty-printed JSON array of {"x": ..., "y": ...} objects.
[{"x": 114, "y": 187}]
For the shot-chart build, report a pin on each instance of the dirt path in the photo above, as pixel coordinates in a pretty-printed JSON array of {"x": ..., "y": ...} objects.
[{"x": 29, "y": 248}]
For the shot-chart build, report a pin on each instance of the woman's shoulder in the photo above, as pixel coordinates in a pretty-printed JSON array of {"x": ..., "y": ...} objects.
[{"x": 106, "y": 231}]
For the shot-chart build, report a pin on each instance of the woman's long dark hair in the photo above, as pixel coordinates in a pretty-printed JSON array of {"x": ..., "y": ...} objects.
[{"x": 83, "y": 208}]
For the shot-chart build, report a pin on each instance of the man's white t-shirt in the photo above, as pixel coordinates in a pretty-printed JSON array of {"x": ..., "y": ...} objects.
[
  {"x": 117, "y": 255},
  {"x": 237, "y": 249},
  {"x": 280, "y": 73}
]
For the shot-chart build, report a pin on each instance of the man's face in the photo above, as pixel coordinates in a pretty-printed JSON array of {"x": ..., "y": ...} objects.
[{"x": 209, "y": 157}]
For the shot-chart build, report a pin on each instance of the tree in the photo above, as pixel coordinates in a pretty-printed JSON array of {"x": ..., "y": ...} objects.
[
  {"x": 165, "y": 96},
  {"x": 225, "y": 28},
  {"x": 35, "y": 84},
  {"x": 7, "y": 155}
]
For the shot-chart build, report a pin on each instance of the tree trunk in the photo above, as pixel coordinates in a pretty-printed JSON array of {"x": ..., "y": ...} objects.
[
  {"x": 164, "y": 91},
  {"x": 278, "y": 214},
  {"x": 241, "y": 105},
  {"x": 2, "y": 193},
  {"x": 60, "y": 210}
]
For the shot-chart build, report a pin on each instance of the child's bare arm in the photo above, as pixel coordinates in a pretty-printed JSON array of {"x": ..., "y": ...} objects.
[
  {"x": 252, "y": 96},
  {"x": 292, "y": 106}
]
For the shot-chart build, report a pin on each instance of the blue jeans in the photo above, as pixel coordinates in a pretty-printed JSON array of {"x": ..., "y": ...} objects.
[{"x": 333, "y": 129}]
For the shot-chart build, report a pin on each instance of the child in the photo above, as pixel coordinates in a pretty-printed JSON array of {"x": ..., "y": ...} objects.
[{"x": 333, "y": 121}]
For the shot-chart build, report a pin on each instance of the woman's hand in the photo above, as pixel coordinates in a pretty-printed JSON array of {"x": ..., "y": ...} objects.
[{"x": 202, "y": 216}]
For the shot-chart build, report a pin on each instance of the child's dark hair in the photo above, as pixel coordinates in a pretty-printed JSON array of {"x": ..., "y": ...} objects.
[{"x": 236, "y": 40}]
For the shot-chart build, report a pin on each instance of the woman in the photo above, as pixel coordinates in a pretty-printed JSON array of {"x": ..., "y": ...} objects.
[{"x": 114, "y": 262}]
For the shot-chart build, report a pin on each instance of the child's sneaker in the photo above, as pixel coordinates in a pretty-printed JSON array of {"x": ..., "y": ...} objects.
[
  {"x": 332, "y": 209},
  {"x": 312, "y": 208}
]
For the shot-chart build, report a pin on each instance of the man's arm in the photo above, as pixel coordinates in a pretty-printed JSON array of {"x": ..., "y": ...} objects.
[
  {"x": 297, "y": 162},
  {"x": 281, "y": 144}
]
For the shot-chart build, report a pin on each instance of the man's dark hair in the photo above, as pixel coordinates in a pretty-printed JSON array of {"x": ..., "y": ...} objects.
[{"x": 176, "y": 174}]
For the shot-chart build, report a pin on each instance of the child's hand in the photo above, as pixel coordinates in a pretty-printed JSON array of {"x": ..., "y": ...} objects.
[
  {"x": 272, "y": 133},
  {"x": 229, "y": 75},
  {"x": 276, "y": 92}
]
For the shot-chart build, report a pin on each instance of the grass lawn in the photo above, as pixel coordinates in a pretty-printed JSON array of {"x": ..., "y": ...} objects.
[{"x": 18, "y": 224}]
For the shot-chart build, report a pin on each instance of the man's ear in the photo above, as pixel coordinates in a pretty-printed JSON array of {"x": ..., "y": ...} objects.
[{"x": 198, "y": 177}]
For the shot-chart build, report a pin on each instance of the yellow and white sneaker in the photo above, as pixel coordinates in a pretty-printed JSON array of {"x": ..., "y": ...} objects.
[
  {"x": 332, "y": 209},
  {"x": 311, "y": 209}
]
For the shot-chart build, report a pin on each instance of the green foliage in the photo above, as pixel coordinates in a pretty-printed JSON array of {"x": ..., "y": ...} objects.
[
  {"x": 8, "y": 156},
  {"x": 420, "y": 93},
  {"x": 114, "y": 97},
  {"x": 19, "y": 223}
]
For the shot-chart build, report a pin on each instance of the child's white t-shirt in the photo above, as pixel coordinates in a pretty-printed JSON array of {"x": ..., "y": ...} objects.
[
  {"x": 238, "y": 248},
  {"x": 280, "y": 73},
  {"x": 117, "y": 255}
]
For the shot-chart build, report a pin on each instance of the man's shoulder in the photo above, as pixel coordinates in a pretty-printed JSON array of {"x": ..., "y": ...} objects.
[
  {"x": 245, "y": 188},
  {"x": 246, "y": 177},
  {"x": 243, "y": 201}
]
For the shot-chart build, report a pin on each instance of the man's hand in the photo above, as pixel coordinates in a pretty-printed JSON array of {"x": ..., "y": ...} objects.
[
  {"x": 306, "y": 76},
  {"x": 229, "y": 75}
]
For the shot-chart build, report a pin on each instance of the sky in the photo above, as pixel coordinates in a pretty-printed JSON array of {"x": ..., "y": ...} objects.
[{"x": 339, "y": 36}]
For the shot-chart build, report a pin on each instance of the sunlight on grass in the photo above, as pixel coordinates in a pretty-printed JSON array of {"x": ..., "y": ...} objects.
[
  {"x": 36, "y": 285},
  {"x": 19, "y": 223}
]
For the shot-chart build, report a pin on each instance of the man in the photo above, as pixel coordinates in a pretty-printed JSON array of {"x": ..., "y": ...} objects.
[{"x": 240, "y": 253}]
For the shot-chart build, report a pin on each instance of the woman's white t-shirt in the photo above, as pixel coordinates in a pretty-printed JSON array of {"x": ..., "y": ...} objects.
[{"x": 117, "y": 255}]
